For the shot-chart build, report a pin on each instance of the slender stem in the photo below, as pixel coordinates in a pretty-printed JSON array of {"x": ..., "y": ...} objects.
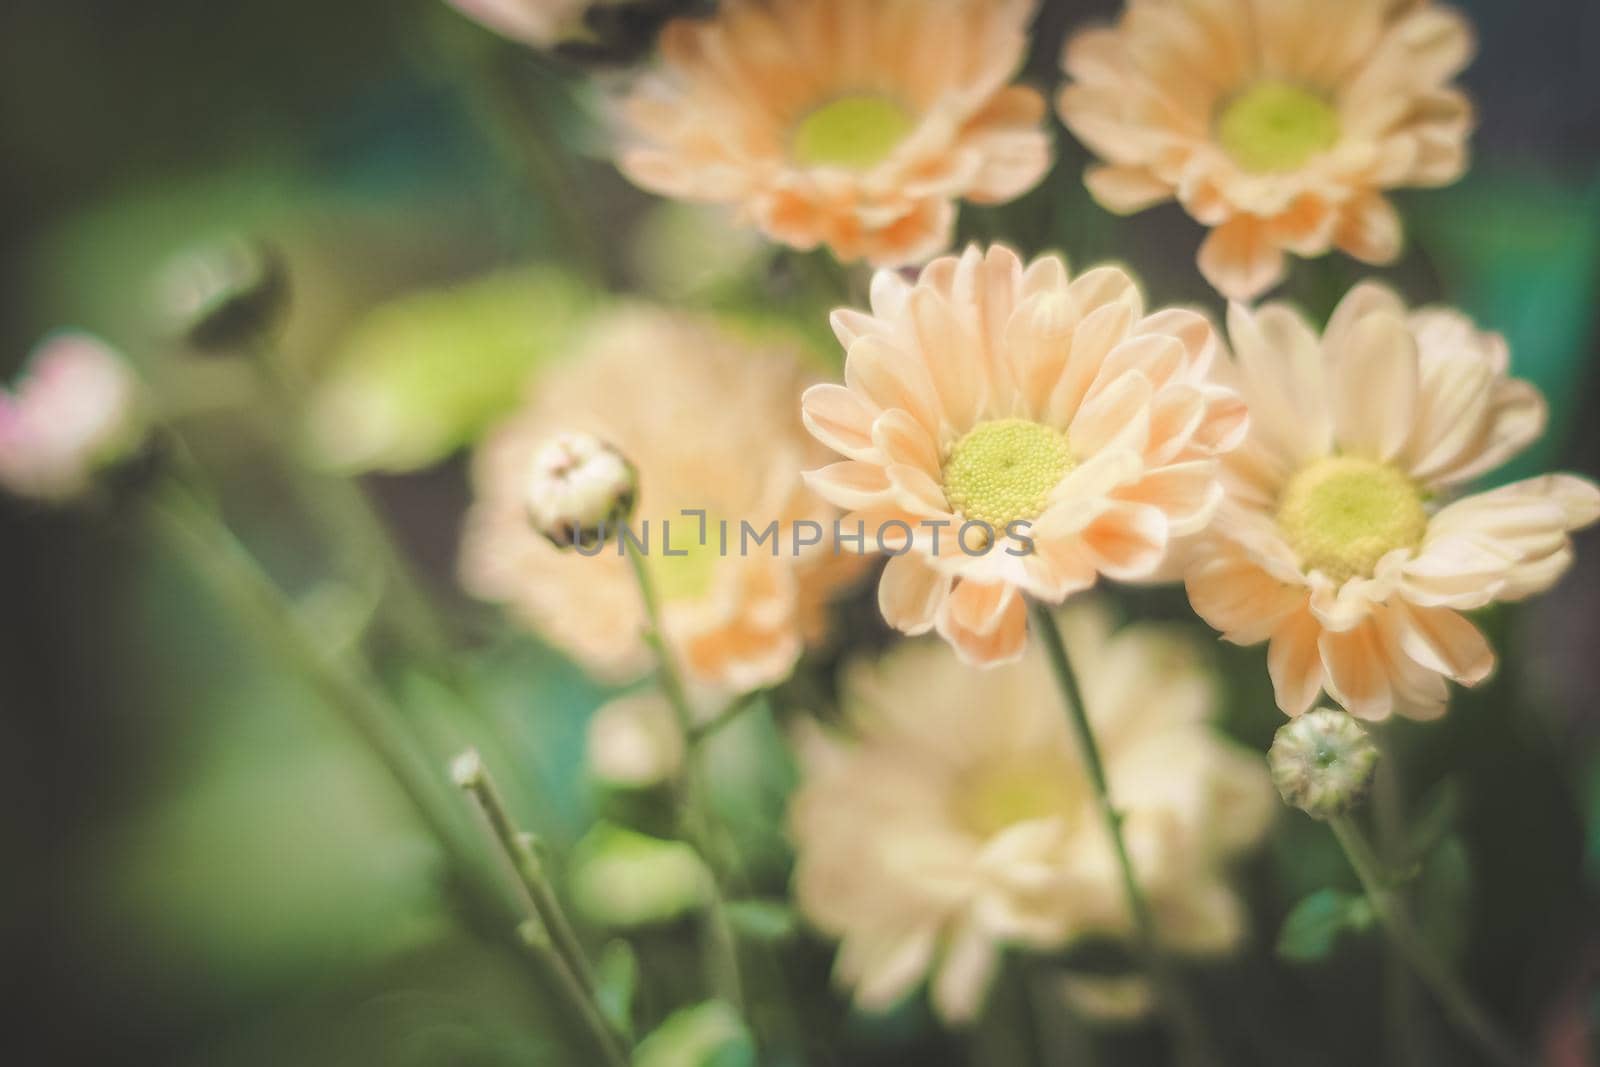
[
  {"x": 1406, "y": 1040},
  {"x": 198, "y": 535},
  {"x": 536, "y": 940},
  {"x": 1457, "y": 1002},
  {"x": 721, "y": 947},
  {"x": 735, "y": 711},
  {"x": 1192, "y": 1042},
  {"x": 521, "y": 851},
  {"x": 546, "y": 931}
]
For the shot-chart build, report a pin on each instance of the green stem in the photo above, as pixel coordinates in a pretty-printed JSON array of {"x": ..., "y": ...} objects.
[
  {"x": 1406, "y": 1040},
  {"x": 1192, "y": 1042},
  {"x": 1458, "y": 1003},
  {"x": 546, "y": 930},
  {"x": 721, "y": 947}
]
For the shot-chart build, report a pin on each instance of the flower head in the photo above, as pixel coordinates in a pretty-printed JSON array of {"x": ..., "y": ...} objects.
[
  {"x": 1277, "y": 123},
  {"x": 1322, "y": 763},
  {"x": 74, "y": 411},
  {"x": 709, "y": 419},
  {"x": 1015, "y": 430},
  {"x": 1340, "y": 542},
  {"x": 579, "y": 488},
  {"x": 855, "y": 124},
  {"x": 954, "y": 817}
]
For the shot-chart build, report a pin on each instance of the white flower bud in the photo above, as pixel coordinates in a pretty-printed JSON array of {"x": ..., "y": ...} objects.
[
  {"x": 1322, "y": 763},
  {"x": 74, "y": 412},
  {"x": 580, "y": 490},
  {"x": 634, "y": 742}
]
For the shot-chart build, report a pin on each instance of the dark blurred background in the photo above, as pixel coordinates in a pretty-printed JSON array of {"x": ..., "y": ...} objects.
[{"x": 199, "y": 868}]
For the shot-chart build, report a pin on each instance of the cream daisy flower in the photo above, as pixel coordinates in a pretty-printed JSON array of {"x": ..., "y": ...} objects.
[
  {"x": 709, "y": 421},
  {"x": 854, "y": 124},
  {"x": 954, "y": 817},
  {"x": 1338, "y": 542},
  {"x": 1052, "y": 412},
  {"x": 1277, "y": 123}
]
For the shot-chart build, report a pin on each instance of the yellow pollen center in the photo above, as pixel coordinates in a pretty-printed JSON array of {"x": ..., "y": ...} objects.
[
  {"x": 855, "y": 132},
  {"x": 1274, "y": 126},
  {"x": 1343, "y": 514},
  {"x": 997, "y": 797},
  {"x": 1002, "y": 472}
]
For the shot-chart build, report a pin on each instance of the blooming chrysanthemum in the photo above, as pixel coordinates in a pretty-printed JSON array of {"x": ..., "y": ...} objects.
[
  {"x": 851, "y": 123},
  {"x": 74, "y": 411},
  {"x": 955, "y": 818},
  {"x": 1337, "y": 542},
  {"x": 1080, "y": 431},
  {"x": 709, "y": 421},
  {"x": 1278, "y": 123}
]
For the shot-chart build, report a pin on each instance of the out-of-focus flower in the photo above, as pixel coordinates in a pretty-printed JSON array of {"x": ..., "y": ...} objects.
[
  {"x": 957, "y": 819},
  {"x": 603, "y": 30},
  {"x": 1277, "y": 123},
  {"x": 223, "y": 295},
  {"x": 579, "y": 488},
  {"x": 1322, "y": 763},
  {"x": 620, "y": 878},
  {"x": 74, "y": 412},
  {"x": 425, "y": 374},
  {"x": 711, "y": 422},
  {"x": 992, "y": 393},
  {"x": 635, "y": 742},
  {"x": 540, "y": 23},
  {"x": 1333, "y": 543},
  {"x": 851, "y": 124}
]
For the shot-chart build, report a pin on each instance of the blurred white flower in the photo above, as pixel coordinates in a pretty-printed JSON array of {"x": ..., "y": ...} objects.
[
  {"x": 958, "y": 818},
  {"x": 634, "y": 741},
  {"x": 73, "y": 412},
  {"x": 540, "y": 23}
]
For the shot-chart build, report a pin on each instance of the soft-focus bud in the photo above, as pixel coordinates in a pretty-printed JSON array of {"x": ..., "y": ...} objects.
[
  {"x": 634, "y": 742},
  {"x": 73, "y": 413},
  {"x": 622, "y": 879},
  {"x": 221, "y": 296},
  {"x": 1322, "y": 763},
  {"x": 580, "y": 490},
  {"x": 585, "y": 30}
]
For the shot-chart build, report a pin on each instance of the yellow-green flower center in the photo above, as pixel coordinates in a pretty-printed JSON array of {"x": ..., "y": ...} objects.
[
  {"x": 688, "y": 576},
  {"x": 1274, "y": 126},
  {"x": 994, "y": 798},
  {"x": 1343, "y": 514},
  {"x": 1002, "y": 472},
  {"x": 854, "y": 132}
]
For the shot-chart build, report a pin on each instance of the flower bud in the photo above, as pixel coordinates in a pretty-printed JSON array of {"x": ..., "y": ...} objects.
[
  {"x": 1322, "y": 763},
  {"x": 580, "y": 490},
  {"x": 221, "y": 296},
  {"x": 634, "y": 742},
  {"x": 73, "y": 413}
]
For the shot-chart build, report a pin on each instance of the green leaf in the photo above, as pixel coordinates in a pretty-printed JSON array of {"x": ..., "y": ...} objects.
[
  {"x": 617, "y": 979},
  {"x": 763, "y": 920},
  {"x": 707, "y": 1035},
  {"x": 1313, "y": 927}
]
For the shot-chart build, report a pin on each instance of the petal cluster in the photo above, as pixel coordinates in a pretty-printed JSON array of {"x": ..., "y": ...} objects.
[
  {"x": 986, "y": 345},
  {"x": 953, "y": 818},
  {"x": 1276, "y": 123},
  {"x": 855, "y": 124},
  {"x": 1411, "y": 402},
  {"x": 708, "y": 420}
]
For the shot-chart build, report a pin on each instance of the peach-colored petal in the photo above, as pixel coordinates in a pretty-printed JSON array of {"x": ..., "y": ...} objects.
[
  {"x": 911, "y": 594},
  {"x": 987, "y": 625},
  {"x": 1375, "y": 388},
  {"x": 1239, "y": 259},
  {"x": 1294, "y": 660}
]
